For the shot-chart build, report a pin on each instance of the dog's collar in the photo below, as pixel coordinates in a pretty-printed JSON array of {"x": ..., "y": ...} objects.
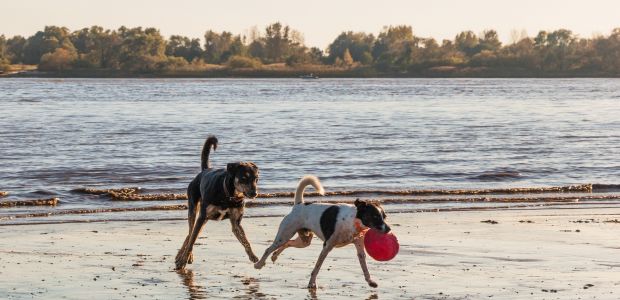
[
  {"x": 360, "y": 228},
  {"x": 227, "y": 193}
]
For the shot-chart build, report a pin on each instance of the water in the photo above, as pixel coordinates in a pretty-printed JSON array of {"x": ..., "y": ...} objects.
[{"x": 57, "y": 135}]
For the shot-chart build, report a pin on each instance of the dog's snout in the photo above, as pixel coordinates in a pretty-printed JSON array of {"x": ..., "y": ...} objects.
[{"x": 253, "y": 194}]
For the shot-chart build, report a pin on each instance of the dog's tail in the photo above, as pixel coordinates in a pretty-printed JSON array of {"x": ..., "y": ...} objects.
[
  {"x": 206, "y": 150},
  {"x": 303, "y": 183}
]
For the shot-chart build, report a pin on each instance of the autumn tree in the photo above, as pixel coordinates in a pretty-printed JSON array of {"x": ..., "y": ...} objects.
[{"x": 59, "y": 60}]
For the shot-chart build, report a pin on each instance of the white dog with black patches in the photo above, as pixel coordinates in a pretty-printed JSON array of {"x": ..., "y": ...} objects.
[{"x": 336, "y": 224}]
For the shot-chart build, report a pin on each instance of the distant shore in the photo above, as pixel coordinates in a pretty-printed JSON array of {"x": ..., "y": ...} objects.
[{"x": 318, "y": 71}]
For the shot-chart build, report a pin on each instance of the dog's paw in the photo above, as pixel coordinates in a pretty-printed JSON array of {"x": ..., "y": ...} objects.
[
  {"x": 259, "y": 265},
  {"x": 180, "y": 262},
  {"x": 274, "y": 257},
  {"x": 253, "y": 258},
  {"x": 179, "y": 266},
  {"x": 190, "y": 258},
  {"x": 373, "y": 284}
]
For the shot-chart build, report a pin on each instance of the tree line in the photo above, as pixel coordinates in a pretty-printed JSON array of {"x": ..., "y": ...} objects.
[{"x": 395, "y": 50}]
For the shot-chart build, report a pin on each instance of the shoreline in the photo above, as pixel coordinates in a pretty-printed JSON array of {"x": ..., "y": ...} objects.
[
  {"x": 551, "y": 253},
  {"x": 320, "y": 71}
]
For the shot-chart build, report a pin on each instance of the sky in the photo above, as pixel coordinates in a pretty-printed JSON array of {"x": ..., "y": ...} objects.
[{"x": 320, "y": 21}]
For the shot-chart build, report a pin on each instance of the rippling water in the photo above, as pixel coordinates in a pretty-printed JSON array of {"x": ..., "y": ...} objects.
[{"x": 57, "y": 135}]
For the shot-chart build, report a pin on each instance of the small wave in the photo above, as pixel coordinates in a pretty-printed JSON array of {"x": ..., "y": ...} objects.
[
  {"x": 497, "y": 176},
  {"x": 606, "y": 187},
  {"x": 29, "y": 100}
]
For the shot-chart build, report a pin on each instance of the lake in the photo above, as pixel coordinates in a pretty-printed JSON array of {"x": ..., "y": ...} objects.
[{"x": 58, "y": 135}]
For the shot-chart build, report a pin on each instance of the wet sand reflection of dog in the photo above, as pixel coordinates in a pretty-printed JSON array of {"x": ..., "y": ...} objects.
[
  {"x": 198, "y": 292},
  {"x": 195, "y": 292},
  {"x": 313, "y": 295}
]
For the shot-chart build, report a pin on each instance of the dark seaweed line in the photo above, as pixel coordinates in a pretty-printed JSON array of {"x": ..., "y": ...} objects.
[
  {"x": 35, "y": 202},
  {"x": 133, "y": 193}
]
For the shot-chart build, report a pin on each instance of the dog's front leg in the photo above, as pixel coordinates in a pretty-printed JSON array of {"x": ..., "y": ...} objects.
[
  {"x": 235, "y": 221},
  {"x": 361, "y": 255},
  {"x": 327, "y": 247}
]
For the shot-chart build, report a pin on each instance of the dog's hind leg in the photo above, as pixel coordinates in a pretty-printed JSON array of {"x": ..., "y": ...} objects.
[
  {"x": 285, "y": 233},
  {"x": 327, "y": 247},
  {"x": 183, "y": 255},
  {"x": 235, "y": 221},
  {"x": 303, "y": 240},
  {"x": 361, "y": 255}
]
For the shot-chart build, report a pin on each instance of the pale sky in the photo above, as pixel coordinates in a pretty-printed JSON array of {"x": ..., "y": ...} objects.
[{"x": 319, "y": 20}]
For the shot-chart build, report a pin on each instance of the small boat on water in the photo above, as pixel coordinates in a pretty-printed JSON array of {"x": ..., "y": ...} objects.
[{"x": 309, "y": 76}]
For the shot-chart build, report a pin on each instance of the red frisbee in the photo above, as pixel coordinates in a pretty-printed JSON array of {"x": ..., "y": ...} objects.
[{"x": 381, "y": 246}]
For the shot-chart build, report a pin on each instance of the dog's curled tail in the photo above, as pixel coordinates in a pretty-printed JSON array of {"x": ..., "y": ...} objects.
[
  {"x": 303, "y": 183},
  {"x": 206, "y": 150}
]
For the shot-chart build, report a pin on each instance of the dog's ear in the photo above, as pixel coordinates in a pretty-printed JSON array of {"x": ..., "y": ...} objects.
[
  {"x": 232, "y": 167},
  {"x": 359, "y": 203},
  {"x": 252, "y": 165}
]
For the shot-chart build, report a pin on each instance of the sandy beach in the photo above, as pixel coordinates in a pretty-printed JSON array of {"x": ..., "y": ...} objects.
[{"x": 527, "y": 254}]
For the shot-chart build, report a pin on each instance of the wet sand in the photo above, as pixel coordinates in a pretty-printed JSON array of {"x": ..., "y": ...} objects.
[{"x": 522, "y": 254}]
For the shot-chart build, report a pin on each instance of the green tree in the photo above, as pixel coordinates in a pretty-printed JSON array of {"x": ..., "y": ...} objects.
[
  {"x": 46, "y": 41},
  {"x": 280, "y": 42},
  {"x": 141, "y": 50},
  {"x": 219, "y": 47},
  {"x": 184, "y": 47},
  {"x": 467, "y": 42},
  {"x": 15, "y": 49},
  {"x": 555, "y": 49},
  {"x": 395, "y": 48},
  {"x": 608, "y": 52},
  {"x": 97, "y": 47},
  {"x": 4, "y": 59},
  {"x": 358, "y": 44},
  {"x": 489, "y": 41}
]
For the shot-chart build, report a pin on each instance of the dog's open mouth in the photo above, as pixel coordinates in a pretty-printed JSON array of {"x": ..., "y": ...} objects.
[{"x": 250, "y": 195}]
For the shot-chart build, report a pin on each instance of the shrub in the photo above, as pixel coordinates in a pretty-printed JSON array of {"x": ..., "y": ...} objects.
[
  {"x": 239, "y": 62},
  {"x": 59, "y": 60}
]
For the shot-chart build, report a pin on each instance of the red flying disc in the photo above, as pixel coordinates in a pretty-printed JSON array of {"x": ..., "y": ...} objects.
[{"x": 381, "y": 246}]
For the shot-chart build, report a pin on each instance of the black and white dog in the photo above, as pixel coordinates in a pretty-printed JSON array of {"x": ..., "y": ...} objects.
[
  {"x": 336, "y": 224},
  {"x": 217, "y": 194}
]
